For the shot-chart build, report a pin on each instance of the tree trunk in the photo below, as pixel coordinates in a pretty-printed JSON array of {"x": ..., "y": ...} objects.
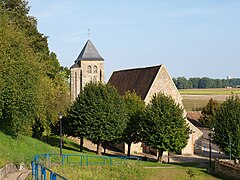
[
  {"x": 99, "y": 148},
  {"x": 168, "y": 157},
  {"x": 129, "y": 149},
  {"x": 104, "y": 150},
  {"x": 104, "y": 145},
  {"x": 160, "y": 153},
  {"x": 81, "y": 144}
]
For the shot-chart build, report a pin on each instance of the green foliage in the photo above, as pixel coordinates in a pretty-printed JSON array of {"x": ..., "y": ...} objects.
[
  {"x": 208, "y": 113},
  {"x": 31, "y": 84},
  {"x": 227, "y": 127},
  {"x": 183, "y": 83},
  {"x": 98, "y": 114},
  {"x": 134, "y": 108},
  {"x": 20, "y": 78},
  {"x": 164, "y": 127},
  {"x": 205, "y": 82}
]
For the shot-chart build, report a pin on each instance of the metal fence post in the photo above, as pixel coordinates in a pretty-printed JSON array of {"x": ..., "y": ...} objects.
[
  {"x": 81, "y": 162},
  {"x": 87, "y": 160},
  {"x": 110, "y": 161},
  {"x": 63, "y": 158},
  {"x": 33, "y": 168},
  {"x": 43, "y": 173},
  {"x": 104, "y": 160},
  {"x": 36, "y": 170},
  {"x": 51, "y": 175}
]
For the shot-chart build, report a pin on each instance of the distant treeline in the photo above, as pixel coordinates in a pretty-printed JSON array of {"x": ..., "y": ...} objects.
[{"x": 205, "y": 82}]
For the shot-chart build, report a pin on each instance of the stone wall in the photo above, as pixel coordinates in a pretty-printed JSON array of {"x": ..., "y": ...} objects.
[
  {"x": 93, "y": 76},
  {"x": 80, "y": 76},
  {"x": 226, "y": 168},
  {"x": 163, "y": 83},
  {"x": 9, "y": 168}
]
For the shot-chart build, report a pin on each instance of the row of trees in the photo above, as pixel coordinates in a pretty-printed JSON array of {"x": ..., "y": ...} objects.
[
  {"x": 103, "y": 116},
  {"x": 224, "y": 120},
  {"x": 184, "y": 83},
  {"x": 33, "y": 85}
]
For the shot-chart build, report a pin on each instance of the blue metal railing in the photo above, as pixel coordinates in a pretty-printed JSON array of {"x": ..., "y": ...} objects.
[{"x": 41, "y": 163}]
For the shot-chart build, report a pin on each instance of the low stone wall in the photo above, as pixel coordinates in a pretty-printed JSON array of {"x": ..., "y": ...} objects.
[
  {"x": 226, "y": 168},
  {"x": 9, "y": 168}
]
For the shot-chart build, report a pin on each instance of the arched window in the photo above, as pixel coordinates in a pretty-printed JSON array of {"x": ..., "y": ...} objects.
[
  {"x": 95, "y": 69},
  {"x": 89, "y": 69}
]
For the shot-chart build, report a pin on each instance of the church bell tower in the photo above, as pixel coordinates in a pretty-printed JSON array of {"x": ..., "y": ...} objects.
[{"x": 88, "y": 67}]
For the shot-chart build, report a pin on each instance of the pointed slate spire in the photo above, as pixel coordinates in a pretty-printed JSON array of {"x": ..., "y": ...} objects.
[{"x": 89, "y": 52}]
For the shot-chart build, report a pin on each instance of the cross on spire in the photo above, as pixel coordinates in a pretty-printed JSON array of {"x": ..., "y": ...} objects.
[{"x": 89, "y": 33}]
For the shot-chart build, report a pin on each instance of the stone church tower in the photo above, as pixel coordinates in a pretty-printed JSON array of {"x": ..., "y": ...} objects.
[{"x": 88, "y": 67}]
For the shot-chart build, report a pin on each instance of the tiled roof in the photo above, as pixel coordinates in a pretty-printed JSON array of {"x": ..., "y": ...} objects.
[
  {"x": 193, "y": 117},
  {"x": 138, "y": 80},
  {"x": 89, "y": 52},
  {"x": 76, "y": 65}
]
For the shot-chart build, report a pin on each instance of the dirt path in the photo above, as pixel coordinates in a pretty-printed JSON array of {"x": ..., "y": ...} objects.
[
  {"x": 201, "y": 160},
  {"x": 93, "y": 147}
]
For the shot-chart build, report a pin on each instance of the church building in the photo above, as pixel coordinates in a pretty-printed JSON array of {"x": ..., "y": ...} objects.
[
  {"x": 144, "y": 81},
  {"x": 86, "y": 68}
]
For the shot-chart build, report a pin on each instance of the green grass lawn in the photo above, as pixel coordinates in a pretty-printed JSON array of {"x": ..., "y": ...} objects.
[
  {"x": 132, "y": 170},
  {"x": 24, "y": 148}
]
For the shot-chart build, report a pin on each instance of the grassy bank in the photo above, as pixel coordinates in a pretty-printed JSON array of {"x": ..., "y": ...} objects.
[
  {"x": 23, "y": 148},
  {"x": 133, "y": 170}
]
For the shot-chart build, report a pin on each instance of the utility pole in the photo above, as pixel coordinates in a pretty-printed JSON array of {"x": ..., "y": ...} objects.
[
  {"x": 210, "y": 150},
  {"x": 230, "y": 148},
  {"x": 60, "y": 119}
]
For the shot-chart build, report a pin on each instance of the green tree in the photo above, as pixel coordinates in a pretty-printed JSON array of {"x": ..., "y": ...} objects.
[
  {"x": 134, "y": 108},
  {"x": 194, "y": 82},
  {"x": 75, "y": 124},
  {"x": 208, "y": 113},
  {"x": 20, "y": 76},
  {"x": 183, "y": 83},
  {"x": 33, "y": 87},
  {"x": 99, "y": 113},
  {"x": 227, "y": 127},
  {"x": 164, "y": 127}
]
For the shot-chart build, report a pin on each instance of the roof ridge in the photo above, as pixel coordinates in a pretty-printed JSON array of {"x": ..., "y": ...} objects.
[{"x": 149, "y": 67}]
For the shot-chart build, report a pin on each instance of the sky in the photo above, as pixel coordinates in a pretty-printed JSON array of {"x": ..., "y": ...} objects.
[{"x": 192, "y": 38}]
